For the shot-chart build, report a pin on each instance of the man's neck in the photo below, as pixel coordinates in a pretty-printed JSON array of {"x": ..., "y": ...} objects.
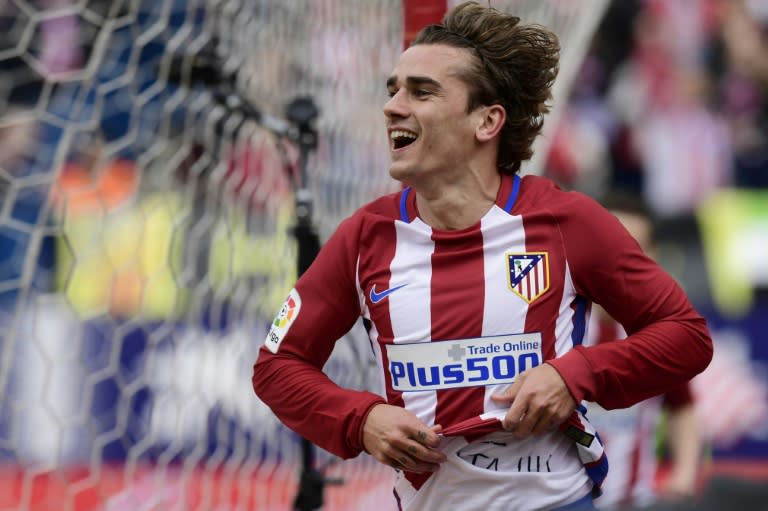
[{"x": 459, "y": 205}]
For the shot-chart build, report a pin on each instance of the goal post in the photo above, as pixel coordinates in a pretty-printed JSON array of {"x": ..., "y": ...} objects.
[{"x": 147, "y": 178}]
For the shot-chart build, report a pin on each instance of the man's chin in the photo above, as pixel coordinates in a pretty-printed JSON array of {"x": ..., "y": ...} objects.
[{"x": 398, "y": 173}]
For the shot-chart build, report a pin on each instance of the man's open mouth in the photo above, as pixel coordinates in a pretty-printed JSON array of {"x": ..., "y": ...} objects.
[{"x": 402, "y": 138}]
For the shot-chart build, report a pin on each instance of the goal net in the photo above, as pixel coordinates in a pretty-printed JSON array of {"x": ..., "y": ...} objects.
[{"x": 147, "y": 174}]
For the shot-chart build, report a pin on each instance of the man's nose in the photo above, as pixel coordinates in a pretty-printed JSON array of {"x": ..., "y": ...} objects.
[{"x": 397, "y": 106}]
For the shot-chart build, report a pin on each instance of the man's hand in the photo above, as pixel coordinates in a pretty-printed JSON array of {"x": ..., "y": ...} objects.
[
  {"x": 397, "y": 438},
  {"x": 540, "y": 402}
]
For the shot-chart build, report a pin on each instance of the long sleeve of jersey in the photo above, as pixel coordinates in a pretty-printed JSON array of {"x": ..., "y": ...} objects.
[
  {"x": 290, "y": 379},
  {"x": 668, "y": 342}
]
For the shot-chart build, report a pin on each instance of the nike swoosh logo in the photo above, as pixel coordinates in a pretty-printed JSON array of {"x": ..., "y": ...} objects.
[{"x": 377, "y": 297}]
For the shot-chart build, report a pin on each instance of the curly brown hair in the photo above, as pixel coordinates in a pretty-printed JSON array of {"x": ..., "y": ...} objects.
[{"x": 515, "y": 66}]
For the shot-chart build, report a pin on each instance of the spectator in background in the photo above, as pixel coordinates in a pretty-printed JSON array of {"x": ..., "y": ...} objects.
[
  {"x": 23, "y": 204},
  {"x": 96, "y": 267},
  {"x": 590, "y": 150},
  {"x": 681, "y": 104},
  {"x": 630, "y": 434},
  {"x": 60, "y": 40},
  {"x": 55, "y": 47},
  {"x": 640, "y": 104},
  {"x": 740, "y": 62},
  {"x": 662, "y": 93}
]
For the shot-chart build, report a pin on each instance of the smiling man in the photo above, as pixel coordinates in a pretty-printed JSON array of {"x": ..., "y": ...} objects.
[{"x": 475, "y": 285}]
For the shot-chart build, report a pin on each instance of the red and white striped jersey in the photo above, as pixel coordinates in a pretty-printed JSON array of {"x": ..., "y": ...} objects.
[{"x": 453, "y": 316}]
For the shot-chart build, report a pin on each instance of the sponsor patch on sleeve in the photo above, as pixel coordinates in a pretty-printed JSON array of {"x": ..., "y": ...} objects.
[{"x": 283, "y": 321}]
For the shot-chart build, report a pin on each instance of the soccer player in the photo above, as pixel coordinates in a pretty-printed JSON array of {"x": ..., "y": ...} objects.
[
  {"x": 475, "y": 286},
  {"x": 630, "y": 434}
]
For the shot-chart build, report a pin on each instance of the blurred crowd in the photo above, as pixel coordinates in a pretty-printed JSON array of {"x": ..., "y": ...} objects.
[{"x": 670, "y": 103}]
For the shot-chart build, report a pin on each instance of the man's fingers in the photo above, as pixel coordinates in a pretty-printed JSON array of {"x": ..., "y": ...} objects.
[
  {"x": 396, "y": 437},
  {"x": 417, "y": 452},
  {"x": 507, "y": 395},
  {"x": 540, "y": 399},
  {"x": 543, "y": 425},
  {"x": 410, "y": 462},
  {"x": 423, "y": 453},
  {"x": 502, "y": 397},
  {"x": 526, "y": 424},
  {"x": 427, "y": 437},
  {"x": 516, "y": 413},
  {"x": 534, "y": 421}
]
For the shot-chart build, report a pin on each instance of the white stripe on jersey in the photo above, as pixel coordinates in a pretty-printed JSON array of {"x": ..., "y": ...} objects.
[
  {"x": 507, "y": 235},
  {"x": 410, "y": 309}
]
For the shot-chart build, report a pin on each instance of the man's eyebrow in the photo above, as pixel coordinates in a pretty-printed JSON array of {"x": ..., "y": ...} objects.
[{"x": 414, "y": 81}]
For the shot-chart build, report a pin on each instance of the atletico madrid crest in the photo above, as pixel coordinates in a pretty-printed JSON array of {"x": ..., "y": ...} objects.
[{"x": 528, "y": 274}]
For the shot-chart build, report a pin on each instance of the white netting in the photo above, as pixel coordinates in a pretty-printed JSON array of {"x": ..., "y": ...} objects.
[{"x": 145, "y": 244}]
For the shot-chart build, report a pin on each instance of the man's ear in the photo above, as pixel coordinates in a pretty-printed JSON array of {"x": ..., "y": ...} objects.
[{"x": 492, "y": 118}]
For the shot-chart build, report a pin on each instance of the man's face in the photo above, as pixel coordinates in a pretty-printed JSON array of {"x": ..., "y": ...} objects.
[{"x": 430, "y": 132}]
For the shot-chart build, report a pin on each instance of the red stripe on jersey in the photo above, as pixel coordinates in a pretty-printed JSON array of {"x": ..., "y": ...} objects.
[
  {"x": 539, "y": 238},
  {"x": 537, "y": 278},
  {"x": 528, "y": 285},
  {"x": 417, "y": 479},
  {"x": 458, "y": 297},
  {"x": 382, "y": 252}
]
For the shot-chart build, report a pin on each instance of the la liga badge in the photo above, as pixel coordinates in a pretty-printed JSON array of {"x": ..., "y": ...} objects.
[{"x": 283, "y": 321}]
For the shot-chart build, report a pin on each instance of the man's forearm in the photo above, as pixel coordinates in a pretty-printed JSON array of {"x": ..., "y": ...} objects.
[
  {"x": 308, "y": 402},
  {"x": 685, "y": 447}
]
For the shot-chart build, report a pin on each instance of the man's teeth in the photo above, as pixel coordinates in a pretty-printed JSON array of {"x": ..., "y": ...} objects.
[{"x": 395, "y": 134}]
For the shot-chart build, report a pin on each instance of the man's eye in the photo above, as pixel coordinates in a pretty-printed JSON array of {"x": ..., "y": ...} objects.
[
  {"x": 391, "y": 93},
  {"x": 422, "y": 92}
]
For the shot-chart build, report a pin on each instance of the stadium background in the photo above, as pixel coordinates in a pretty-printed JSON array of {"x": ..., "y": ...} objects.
[{"x": 144, "y": 223}]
